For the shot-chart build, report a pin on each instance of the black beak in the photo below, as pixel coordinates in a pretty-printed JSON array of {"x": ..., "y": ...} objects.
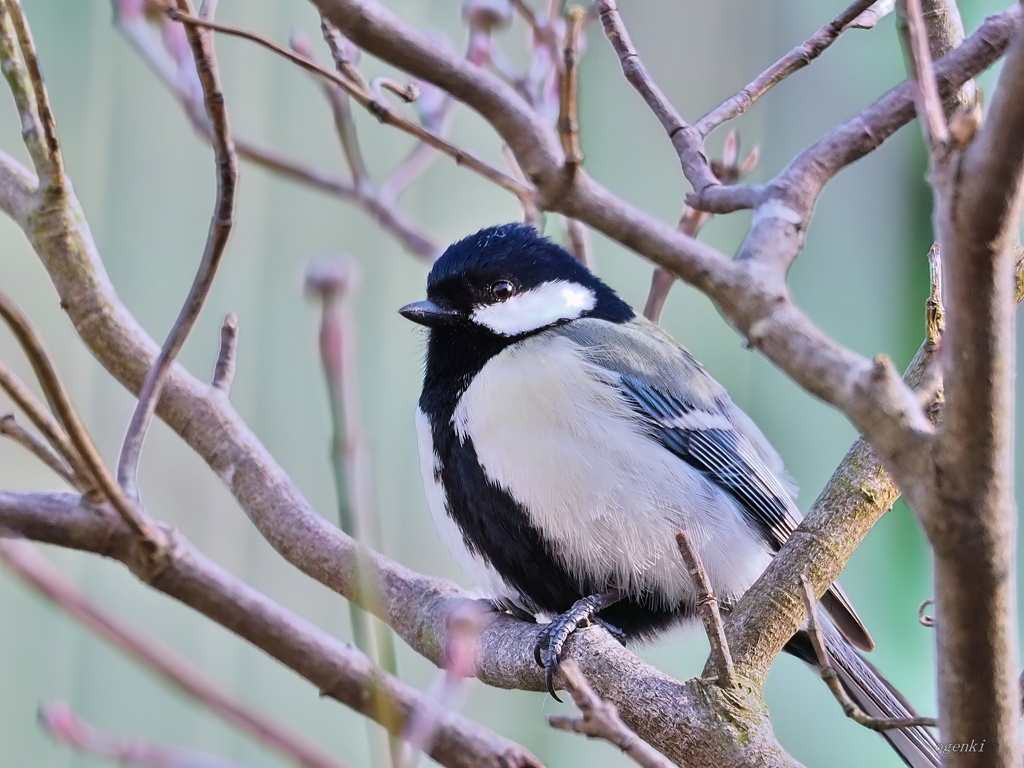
[{"x": 428, "y": 313}]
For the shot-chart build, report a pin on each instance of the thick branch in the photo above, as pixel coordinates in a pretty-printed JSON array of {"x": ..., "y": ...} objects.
[
  {"x": 970, "y": 517},
  {"x": 681, "y": 720},
  {"x": 945, "y": 32},
  {"x": 336, "y": 668},
  {"x": 859, "y": 492}
]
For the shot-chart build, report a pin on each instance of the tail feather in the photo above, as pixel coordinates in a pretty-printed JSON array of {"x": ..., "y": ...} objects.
[{"x": 875, "y": 695}]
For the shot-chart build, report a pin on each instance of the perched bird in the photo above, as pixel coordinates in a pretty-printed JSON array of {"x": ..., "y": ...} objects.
[{"x": 565, "y": 441}]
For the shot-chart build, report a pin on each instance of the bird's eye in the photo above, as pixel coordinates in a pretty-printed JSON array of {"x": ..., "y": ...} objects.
[{"x": 503, "y": 289}]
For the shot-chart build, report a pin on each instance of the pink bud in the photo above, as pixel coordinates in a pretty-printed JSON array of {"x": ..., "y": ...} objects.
[
  {"x": 487, "y": 15},
  {"x": 301, "y": 44}
]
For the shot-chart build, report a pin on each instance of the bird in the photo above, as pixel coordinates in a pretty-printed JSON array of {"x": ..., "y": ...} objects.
[{"x": 565, "y": 441}]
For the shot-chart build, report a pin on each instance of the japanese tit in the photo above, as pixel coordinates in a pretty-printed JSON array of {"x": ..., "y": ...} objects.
[{"x": 565, "y": 441}]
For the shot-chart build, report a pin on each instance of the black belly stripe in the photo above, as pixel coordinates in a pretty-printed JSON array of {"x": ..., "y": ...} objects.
[{"x": 497, "y": 528}]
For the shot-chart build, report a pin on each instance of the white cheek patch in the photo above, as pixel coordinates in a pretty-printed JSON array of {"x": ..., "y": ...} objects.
[{"x": 541, "y": 306}]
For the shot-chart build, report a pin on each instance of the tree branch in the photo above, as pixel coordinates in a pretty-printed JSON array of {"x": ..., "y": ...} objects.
[
  {"x": 50, "y": 428},
  {"x": 750, "y": 291},
  {"x": 131, "y": 23},
  {"x": 945, "y": 31},
  {"x": 224, "y": 370},
  {"x": 831, "y": 677},
  {"x": 336, "y": 668},
  {"x": 226, "y": 163},
  {"x": 969, "y": 517},
  {"x": 687, "y": 142},
  {"x": 65, "y": 727},
  {"x": 568, "y": 102},
  {"x": 10, "y": 428},
  {"x": 859, "y": 492},
  {"x": 82, "y": 446},
  {"x": 18, "y": 189},
  {"x": 21, "y": 68},
  {"x": 707, "y": 606},
  {"x": 796, "y": 59},
  {"x": 21, "y": 558},
  {"x": 371, "y": 101},
  {"x": 600, "y": 720},
  {"x": 926, "y": 94}
]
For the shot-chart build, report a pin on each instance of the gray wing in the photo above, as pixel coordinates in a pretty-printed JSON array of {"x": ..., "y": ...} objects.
[{"x": 692, "y": 416}]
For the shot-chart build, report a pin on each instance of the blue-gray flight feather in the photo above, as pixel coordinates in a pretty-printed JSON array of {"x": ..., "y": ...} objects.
[{"x": 694, "y": 418}]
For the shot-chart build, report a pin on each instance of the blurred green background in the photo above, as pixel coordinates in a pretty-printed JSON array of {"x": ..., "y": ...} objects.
[{"x": 146, "y": 184}]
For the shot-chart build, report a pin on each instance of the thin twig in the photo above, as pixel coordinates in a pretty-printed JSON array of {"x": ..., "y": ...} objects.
[
  {"x": 579, "y": 240},
  {"x": 22, "y": 558},
  {"x": 541, "y": 25},
  {"x": 531, "y": 212},
  {"x": 945, "y": 31},
  {"x": 662, "y": 280},
  {"x": 226, "y": 162},
  {"x": 926, "y": 96},
  {"x": 685, "y": 139},
  {"x": 378, "y": 204},
  {"x": 707, "y": 606},
  {"x": 601, "y": 720},
  {"x": 377, "y": 108},
  {"x": 341, "y": 108},
  {"x": 10, "y": 428},
  {"x": 82, "y": 444},
  {"x": 21, "y": 89},
  {"x": 285, "y": 166},
  {"x": 390, "y": 220},
  {"x": 47, "y": 158},
  {"x": 387, "y": 217},
  {"x": 831, "y": 677},
  {"x": 568, "y": 101},
  {"x": 728, "y": 171},
  {"x": 47, "y": 425},
  {"x": 420, "y": 157},
  {"x": 224, "y": 371},
  {"x": 333, "y": 282},
  {"x": 67, "y": 728},
  {"x": 464, "y": 626},
  {"x": 796, "y": 59}
]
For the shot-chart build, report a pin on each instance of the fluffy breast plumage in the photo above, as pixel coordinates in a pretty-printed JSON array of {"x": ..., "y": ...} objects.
[{"x": 556, "y": 489}]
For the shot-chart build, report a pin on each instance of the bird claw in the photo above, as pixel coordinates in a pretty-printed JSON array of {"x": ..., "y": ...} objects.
[
  {"x": 612, "y": 630},
  {"x": 551, "y": 640}
]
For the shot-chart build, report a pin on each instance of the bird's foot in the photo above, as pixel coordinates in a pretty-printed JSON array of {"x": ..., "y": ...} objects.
[
  {"x": 552, "y": 637},
  {"x": 612, "y": 630}
]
